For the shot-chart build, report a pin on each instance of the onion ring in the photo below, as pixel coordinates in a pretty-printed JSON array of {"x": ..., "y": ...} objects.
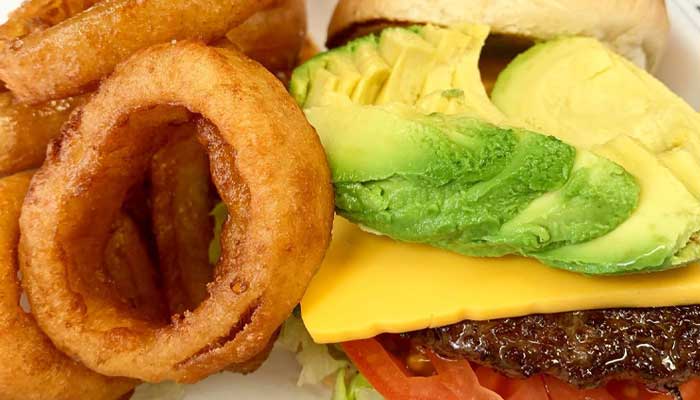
[
  {"x": 74, "y": 55},
  {"x": 181, "y": 200},
  {"x": 26, "y": 130},
  {"x": 32, "y": 368},
  {"x": 269, "y": 168},
  {"x": 273, "y": 37},
  {"x": 38, "y": 15},
  {"x": 128, "y": 266}
]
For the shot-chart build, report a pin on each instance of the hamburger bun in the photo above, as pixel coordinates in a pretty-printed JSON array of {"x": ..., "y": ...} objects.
[{"x": 636, "y": 29}]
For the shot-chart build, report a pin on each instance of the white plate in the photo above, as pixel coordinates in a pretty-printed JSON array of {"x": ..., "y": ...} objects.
[{"x": 277, "y": 379}]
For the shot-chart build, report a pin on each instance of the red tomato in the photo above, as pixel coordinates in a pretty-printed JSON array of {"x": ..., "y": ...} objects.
[
  {"x": 455, "y": 380},
  {"x": 559, "y": 390},
  {"x": 493, "y": 380},
  {"x": 459, "y": 377},
  {"x": 626, "y": 390},
  {"x": 691, "y": 390}
]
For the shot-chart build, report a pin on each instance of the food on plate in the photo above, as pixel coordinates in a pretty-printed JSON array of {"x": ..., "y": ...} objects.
[
  {"x": 637, "y": 30},
  {"x": 274, "y": 37},
  {"x": 619, "y": 101},
  {"x": 181, "y": 201},
  {"x": 129, "y": 267},
  {"x": 26, "y": 130},
  {"x": 423, "y": 156},
  {"x": 574, "y": 182},
  {"x": 577, "y": 347},
  {"x": 38, "y": 15},
  {"x": 86, "y": 48},
  {"x": 269, "y": 168},
  {"x": 32, "y": 368}
]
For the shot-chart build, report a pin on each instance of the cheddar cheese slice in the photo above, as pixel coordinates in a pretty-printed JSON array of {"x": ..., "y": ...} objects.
[{"x": 371, "y": 284}]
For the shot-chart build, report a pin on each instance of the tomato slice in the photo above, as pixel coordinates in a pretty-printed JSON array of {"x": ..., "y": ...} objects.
[
  {"x": 559, "y": 390},
  {"x": 459, "y": 377},
  {"x": 691, "y": 390},
  {"x": 530, "y": 389},
  {"x": 455, "y": 380}
]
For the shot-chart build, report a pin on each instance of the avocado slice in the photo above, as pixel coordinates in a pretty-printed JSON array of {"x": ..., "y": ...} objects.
[
  {"x": 659, "y": 229},
  {"x": 573, "y": 213},
  {"x": 466, "y": 185},
  {"x": 443, "y": 166},
  {"x": 593, "y": 99},
  {"x": 585, "y": 94},
  {"x": 432, "y": 68},
  {"x": 411, "y": 58}
]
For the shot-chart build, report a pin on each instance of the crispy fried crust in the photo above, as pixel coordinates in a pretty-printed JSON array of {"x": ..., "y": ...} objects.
[
  {"x": 31, "y": 367},
  {"x": 25, "y": 131},
  {"x": 269, "y": 168},
  {"x": 38, "y": 15},
  {"x": 74, "y": 55},
  {"x": 181, "y": 199},
  {"x": 273, "y": 37},
  {"x": 129, "y": 268}
]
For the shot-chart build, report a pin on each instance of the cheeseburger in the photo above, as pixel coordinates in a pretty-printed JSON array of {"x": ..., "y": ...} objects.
[{"x": 518, "y": 204}]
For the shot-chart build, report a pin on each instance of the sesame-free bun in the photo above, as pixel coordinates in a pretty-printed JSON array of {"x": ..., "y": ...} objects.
[{"x": 637, "y": 29}]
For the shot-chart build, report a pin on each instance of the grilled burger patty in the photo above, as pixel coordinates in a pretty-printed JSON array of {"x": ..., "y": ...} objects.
[{"x": 659, "y": 347}]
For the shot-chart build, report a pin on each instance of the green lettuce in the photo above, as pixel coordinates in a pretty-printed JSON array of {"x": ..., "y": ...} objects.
[
  {"x": 358, "y": 388},
  {"x": 317, "y": 362}
]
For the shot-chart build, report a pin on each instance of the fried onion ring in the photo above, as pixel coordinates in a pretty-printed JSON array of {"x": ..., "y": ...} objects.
[
  {"x": 269, "y": 168},
  {"x": 32, "y": 368},
  {"x": 38, "y": 15},
  {"x": 25, "y": 131},
  {"x": 74, "y": 55},
  {"x": 273, "y": 37},
  {"x": 181, "y": 200},
  {"x": 128, "y": 266}
]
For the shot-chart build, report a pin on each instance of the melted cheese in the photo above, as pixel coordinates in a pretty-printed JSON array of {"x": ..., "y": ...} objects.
[{"x": 370, "y": 285}]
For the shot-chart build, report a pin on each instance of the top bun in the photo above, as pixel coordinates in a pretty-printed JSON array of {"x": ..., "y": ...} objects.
[{"x": 637, "y": 29}]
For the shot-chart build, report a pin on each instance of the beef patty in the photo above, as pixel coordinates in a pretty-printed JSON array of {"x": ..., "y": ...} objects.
[{"x": 659, "y": 347}]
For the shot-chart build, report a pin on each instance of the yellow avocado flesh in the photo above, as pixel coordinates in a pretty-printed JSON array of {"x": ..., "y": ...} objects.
[
  {"x": 580, "y": 91},
  {"x": 655, "y": 229},
  {"x": 435, "y": 70},
  {"x": 375, "y": 71},
  {"x": 370, "y": 285}
]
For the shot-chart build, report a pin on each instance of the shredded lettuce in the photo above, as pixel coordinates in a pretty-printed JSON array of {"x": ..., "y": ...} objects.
[
  {"x": 220, "y": 213},
  {"x": 317, "y": 362},
  {"x": 162, "y": 391},
  {"x": 358, "y": 389}
]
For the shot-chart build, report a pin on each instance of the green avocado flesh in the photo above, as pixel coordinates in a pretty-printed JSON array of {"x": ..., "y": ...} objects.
[
  {"x": 582, "y": 92},
  {"x": 420, "y": 153}
]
